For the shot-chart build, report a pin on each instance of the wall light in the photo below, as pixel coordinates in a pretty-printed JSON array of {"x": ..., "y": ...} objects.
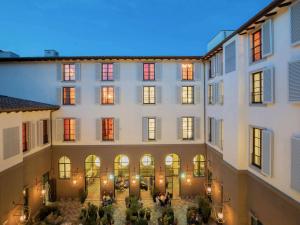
[
  {"x": 111, "y": 177},
  {"x": 182, "y": 175},
  {"x": 105, "y": 181}
]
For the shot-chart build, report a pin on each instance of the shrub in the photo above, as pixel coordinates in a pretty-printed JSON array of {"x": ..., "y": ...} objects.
[{"x": 82, "y": 195}]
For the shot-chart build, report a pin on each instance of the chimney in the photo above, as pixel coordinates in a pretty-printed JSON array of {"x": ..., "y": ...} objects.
[
  {"x": 8, "y": 54},
  {"x": 51, "y": 53}
]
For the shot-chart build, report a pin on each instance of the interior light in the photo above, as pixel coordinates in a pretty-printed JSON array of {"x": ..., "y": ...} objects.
[{"x": 169, "y": 160}]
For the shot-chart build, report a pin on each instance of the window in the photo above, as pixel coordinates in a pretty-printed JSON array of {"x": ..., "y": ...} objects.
[
  {"x": 107, "y": 72},
  {"x": 25, "y": 137},
  {"x": 107, "y": 129},
  {"x": 149, "y": 95},
  {"x": 210, "y": 94},
  {"x": 210, "y": 68},
  {"x": 151, "y": 129},
  {"x": 69, "y": 95},
  {"x": 107, "y": 95},
  {"x": 69, "y": 129},
  {"x": 64, "y": 167},
  {"x": 257, "y": 87},
  {"x": 256, "y": 46},
  {"x": 45, "y": 132},
  {"x": 149, "y": 71},
  {"x": 187, "y": 128},
  {"x": 257, "y": 147},
  {"x": 230, "y": 57},
  {"x": 199, "y": 165},
  {"x": 69, "y": 72},
  {"x": 187, "y": 95},
  {"x": 187, "y": 72}
]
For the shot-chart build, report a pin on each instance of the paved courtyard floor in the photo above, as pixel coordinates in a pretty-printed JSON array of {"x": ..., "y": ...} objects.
[{"x": 71, "y": 210}]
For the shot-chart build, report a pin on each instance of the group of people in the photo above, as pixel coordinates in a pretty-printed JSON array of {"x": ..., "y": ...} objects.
[
  {"x": 163, "y": 199},
  {"x": 107, "y": 199}
]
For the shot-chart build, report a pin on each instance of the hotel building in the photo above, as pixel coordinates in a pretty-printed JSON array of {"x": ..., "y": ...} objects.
[{"x": 225, "y": 124}]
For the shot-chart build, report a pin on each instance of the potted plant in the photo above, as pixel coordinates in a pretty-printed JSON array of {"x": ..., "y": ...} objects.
[
  {"x": 206, "y": 212},
  {"x": 148, "y": 214},
  {"x": 82, "y": 195}
]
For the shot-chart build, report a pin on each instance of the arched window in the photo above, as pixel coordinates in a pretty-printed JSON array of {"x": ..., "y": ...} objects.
[
  {"x": 92, "y": 166},
  {"x": 64, "y": 166},
  {"x": 199, "y": 165}
]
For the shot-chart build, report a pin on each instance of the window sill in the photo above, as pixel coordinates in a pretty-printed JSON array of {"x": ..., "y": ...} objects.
[{"x": 69, "y": 81}]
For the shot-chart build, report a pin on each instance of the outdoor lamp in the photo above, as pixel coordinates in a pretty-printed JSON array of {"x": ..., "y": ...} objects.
[
  {"x": 220, "y": 218},
  {"x": 105, "y": 181},
  {"x": 22, "y": 218},
  {"x": 208, "y": 190},
  {"x": 182, "y": 175},
  {"x": 43, "y": 191},
  {"x": 111, "y": 177}
]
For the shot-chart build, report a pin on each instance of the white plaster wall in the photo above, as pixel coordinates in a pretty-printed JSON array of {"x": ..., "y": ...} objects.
[
  {"x": 9, "y": 120},
  {"x": 282, "y": 117}
]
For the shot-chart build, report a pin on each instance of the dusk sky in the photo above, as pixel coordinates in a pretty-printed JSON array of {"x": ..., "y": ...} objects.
[{"x": 119, "y": 27}]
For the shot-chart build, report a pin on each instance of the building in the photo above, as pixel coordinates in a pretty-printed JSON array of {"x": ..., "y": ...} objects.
[{"x": 225, "y": 124}]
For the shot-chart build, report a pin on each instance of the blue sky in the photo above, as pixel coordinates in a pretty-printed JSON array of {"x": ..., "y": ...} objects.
[{"x": 118, "y": 27}]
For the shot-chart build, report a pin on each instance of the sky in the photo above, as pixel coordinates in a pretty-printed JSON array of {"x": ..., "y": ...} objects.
[{"x": 119, "y": 27}]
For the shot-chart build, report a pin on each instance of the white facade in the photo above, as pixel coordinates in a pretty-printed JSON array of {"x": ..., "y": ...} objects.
[{"x": 280, "y": 117}]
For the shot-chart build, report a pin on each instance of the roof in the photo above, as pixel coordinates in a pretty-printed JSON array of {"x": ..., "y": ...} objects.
[
  {"x": 10, "y": 104},
  {"x": 96, "y": 58},
  {"x": 265, "y": 12}
]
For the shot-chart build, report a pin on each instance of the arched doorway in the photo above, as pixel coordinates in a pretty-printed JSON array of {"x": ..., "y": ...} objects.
[
  {"x": 92, "y": 178},
  {"x": 121, "y": 172},
  {"x": 172, "y": 173},
  {"x": 147, "y": 177}
]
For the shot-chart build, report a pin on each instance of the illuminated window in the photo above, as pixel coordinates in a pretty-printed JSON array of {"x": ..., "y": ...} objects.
[
  {"x": 69, "y": 72},
  {"x": 45, "y": 132},
  {"x": 124, "y": 161},
  {"x": 187, "y": 95},
  {"x": 199, "y": 165},
  {"x": 257, "y": 87},
  {"x": 151, "y": 128},
  {"x": 107, "y": 72},
  {"x": 64, "y": 167},
  {"x": 187, "y": 128},
  {"x": 146, "y": 160},
  {"x": 149, "y": 71},
  {"x": 92, "y": 166},
  {"x": 107, "y": 95},
  {"x": 256, "y": 46},
  {"x": 187, "y": 72},
  {"x": 107, "y": 129},
  {"x": 149, "y": 95},
  {"x": 69, "y": 95},
  {"x": 210, "y": 94},
  {"x": 25, "y": 137},
  {"x": 69, "y": 129},
  {"x": 256, "y": 147}
]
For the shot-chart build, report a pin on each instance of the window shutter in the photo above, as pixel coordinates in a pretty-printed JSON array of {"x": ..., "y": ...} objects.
[
  {"x": 59, "y": 72},
  {"x": 267, "y": 38},
  {"x": 212, "y": 69},
  {"x": 215, "y": 93},
  {"x": 116, "y": 71},
  {"x": 98, "y": 95},
  {"x": 28, "y": 132},
  {"x": 117, "y": 95},
  {"x": 294, "y": 81},
  {"x": 140, "y": 71},
  {"x": 116, "y": 129},
  {"x": 32, "y": 135},
  {"x": 250, "y": 144},
  {"x": 145, "y": 129},
  {"x": 295, "y": 163},
  {"x": 230, "y": 57},
  {"x": 78, "y": 129},
  {"x": 267, "y": 149},
  {"x": 78, "y": 71},
  {"x": 158, "y": 97},
  {"x": 197, "y": 71},
  {"x": 59, "y": 130},
  {"x": 49, "y": 130},
  {"x": 11, "y": 142},
  {"x": 78, "y": 95},
  {"x": 158, "y": 128},
  {"x": 178, "y": 71},
  {"x": 40, "y": 132},
  {"x": 158, "y": 71},
  {"x": 221, "y": 92},
  {"x": 220, "y": 64},
  {"x": 98, "y": 71},
  {"x": 59, "y": 95},
  {"x": 178, "y": 94},
  {"x": 197, "y": 128},
  {"x": 268, "y": 86},
  {"x": 179, "y": 128},
  {"x": 295, "y": 23},
  {"x": 139, "y": 94},
  {"x": 217, "y": 133},
  {"x": 98, "y": 129},
  {"x": 197, "y": 94}
]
